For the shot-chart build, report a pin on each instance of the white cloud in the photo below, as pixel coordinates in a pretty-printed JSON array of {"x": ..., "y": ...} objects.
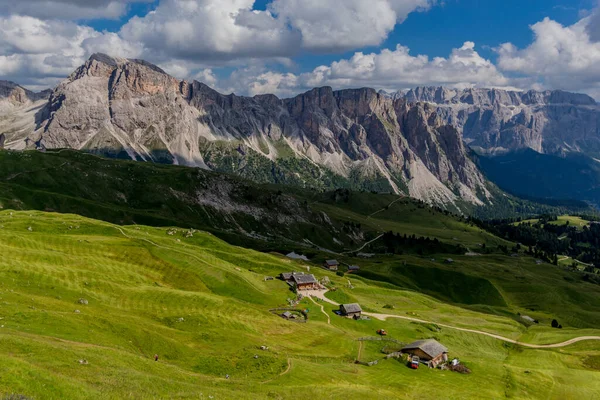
[
  {"x": 32, "y": 51},
  {"x": 67, "y": 9},
  {"x": 205, "y": 30},
  {"x": 388, "y": 69},
  {"x": 337, "y": 25},
  {"x": 560, "y": 57}
]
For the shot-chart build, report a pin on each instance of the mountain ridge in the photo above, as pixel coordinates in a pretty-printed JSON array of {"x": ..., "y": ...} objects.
[
  {"x": 131, "y": 109},
  {"x": 410, "y": 143}
]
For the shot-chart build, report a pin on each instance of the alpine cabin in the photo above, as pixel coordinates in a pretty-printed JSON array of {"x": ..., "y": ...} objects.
[
  {"x": 331, "y": 265},
  {"x": 428, "y": 350},
  {"x": 351, "y": 310}
]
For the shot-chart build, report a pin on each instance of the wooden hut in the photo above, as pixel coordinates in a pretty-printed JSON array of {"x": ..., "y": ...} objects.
[
  {"x": 428, "y": 350},
  {"x": 351, "y": 310},
  {"x": 305, "y": 282},
  {"x": 331, "y": 265}
]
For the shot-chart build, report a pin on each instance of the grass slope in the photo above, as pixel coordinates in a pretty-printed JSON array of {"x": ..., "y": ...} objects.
[
  {"x": 203, "y": 306},
  {"x": 128, "y": 192}
]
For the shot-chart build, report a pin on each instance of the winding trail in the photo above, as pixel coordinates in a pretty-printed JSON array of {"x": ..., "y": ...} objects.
[
  {"x": 289, "y": 367},
  {"x": 321, "y": 295},
  {"x": 364, "y": 245},
  {"x": 322, "y": 310},
  {"x": 386, "y": 208},
  {"x": 382, "y": 317},
  {"x": 13, "y": 176}
]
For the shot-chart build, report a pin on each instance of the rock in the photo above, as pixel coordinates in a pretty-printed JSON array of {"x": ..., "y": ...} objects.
[
  {"x": 77, "y": 311},
  {"x": 495, "y": 120},
  {"x": 180, "y": 319},
  {"x": 82, "y": 301},
  {"x": 352, "y": 133},
  {"x": 83, "y": 362},
  {"x": 30, "y": 229}
]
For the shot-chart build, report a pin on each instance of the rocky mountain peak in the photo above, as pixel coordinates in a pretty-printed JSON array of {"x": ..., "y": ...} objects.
[{"x": 408, "y": 143}]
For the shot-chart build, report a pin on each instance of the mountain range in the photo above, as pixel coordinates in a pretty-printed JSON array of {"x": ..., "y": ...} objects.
[{"x": 416, "y": 143}]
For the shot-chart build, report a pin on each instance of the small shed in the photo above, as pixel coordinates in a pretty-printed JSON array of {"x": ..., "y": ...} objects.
[
  {"x": 353, "y": 268},
  {"x": 305, "y": 282},
  {"x": 351, "y": 310},
  {"x": 428, "y": 350},
  {"x": 331, "y": 265},
  {"x": 287, "y": 315},
  {"x": 449, "y": 261}
]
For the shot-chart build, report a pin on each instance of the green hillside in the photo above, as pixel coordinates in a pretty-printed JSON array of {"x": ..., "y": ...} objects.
[
  {"x": 259, "y": 216},
  {"x": 203, "y": 306}
]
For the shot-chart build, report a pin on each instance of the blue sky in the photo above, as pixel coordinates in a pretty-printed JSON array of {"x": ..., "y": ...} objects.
[
  {"x": 236, "y": 45},
  {"x": 438, "y": 30}
]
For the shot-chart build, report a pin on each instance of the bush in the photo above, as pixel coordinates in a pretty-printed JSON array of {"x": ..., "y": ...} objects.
[
  {"x": 339, "y": 273},
  {"x": 555, "y": 323}
]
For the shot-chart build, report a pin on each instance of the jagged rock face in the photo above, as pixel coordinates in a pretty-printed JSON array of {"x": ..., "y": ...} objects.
[
  {"x": 493, "y": 120},
  {"x": 129, "y": 108}
]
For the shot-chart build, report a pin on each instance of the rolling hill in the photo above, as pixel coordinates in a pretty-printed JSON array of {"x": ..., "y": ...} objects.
[{"x": 86, "y": 304}]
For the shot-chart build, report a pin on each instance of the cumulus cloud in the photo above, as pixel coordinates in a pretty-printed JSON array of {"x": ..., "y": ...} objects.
[
  {"x": 388, "y": 69},
  {"x": 560, "y": 57},
  {"x": 35, "y": 51},
  {"x": 337, "y": 25},
  {"x": 205, "y": 30},
  {"x": 67, "y": 9}
]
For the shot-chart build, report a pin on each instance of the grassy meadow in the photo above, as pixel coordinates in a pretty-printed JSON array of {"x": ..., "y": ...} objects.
[{"x": 203, "y": 306}]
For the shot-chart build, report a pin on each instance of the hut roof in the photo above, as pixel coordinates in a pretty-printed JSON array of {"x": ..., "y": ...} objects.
[
  {"x": 353, "y": 268},
  {"x": 431, "y": 347},
  {"x": 288, "y": 275},
  {"x": 331, "y": 262},
  {"x": 287, "y": 314},
  {"x": 304, "y": 279},
  {"x": 351, "y": 308}
]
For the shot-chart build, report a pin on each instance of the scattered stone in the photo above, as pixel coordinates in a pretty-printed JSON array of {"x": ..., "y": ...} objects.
[
  {"x": 180, "y": 319},
  {"x": 30, "y": 229},
  {"x": 264, "y": 348},
  {"x": 83, "y": 362},
  {"x": 77, "y": 311},
  {"x": 256, "y": 356},
  {"x": 83, "y": 301}
]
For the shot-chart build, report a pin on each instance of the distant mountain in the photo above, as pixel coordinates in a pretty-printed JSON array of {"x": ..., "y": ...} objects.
[
  {"x": 409, "y": 143},
  {"x": 323, "y": 138},
  {"x": 499, "y": 121}
]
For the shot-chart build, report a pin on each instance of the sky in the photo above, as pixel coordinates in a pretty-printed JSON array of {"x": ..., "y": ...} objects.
[{"x": 289, "y": 46}]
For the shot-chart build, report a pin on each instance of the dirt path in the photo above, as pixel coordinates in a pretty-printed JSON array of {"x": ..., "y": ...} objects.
[
  {"x": 13, "y": 176},
  {"x": 321, "y": 295},
  {"x": 322, "y": 310},
  {"x": 383, "y": 317},
  {"x": 364, "y": 245},
  {"x": 577, "y": 261},
  {"x": 360, "y": 348},
  {"x": 289, "y": 367},
  {"x": 385, "y": 208}
]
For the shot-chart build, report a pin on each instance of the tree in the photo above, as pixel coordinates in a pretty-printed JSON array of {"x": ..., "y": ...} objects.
[{"x": 554, "y": 323}]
